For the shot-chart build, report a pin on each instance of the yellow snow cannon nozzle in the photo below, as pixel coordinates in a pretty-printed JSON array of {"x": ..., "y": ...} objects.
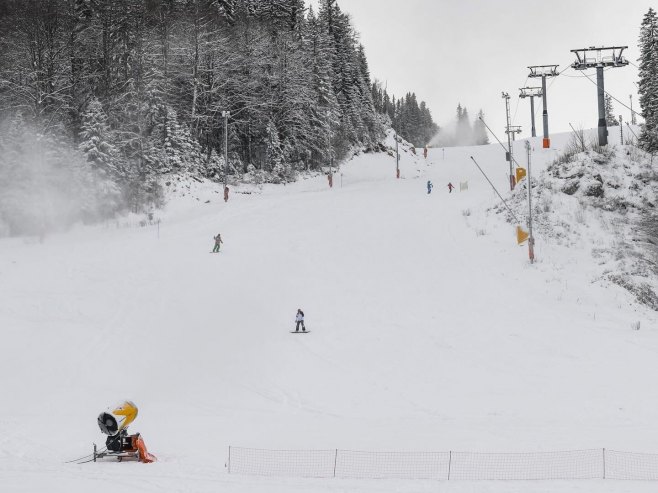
[{"x": 117, "y": 418}]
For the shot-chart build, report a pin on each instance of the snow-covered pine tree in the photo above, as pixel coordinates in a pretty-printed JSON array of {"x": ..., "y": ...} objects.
[
  {"x": 610, "y": 118},
  {"x": 374, "y": 129},
  {"x": 181, "y": 151},
  {"x": 648, "y": 81},
  {"x": 325, "y": 110},
  {"x": 95, "y": 141}
]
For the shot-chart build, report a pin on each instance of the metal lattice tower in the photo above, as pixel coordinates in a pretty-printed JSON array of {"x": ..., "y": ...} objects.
[
  {"x": 600, "y": 58},
  {"x": 544, "y": 71},
  {"x": 510, "y": 131},
  {"x": 532, "y": 93}
]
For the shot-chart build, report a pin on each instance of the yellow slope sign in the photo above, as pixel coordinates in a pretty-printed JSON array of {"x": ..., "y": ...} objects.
[{"x": 521, "y": 235}]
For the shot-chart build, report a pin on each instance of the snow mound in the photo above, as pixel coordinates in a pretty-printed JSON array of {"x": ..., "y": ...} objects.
[{"x": 602, "y": 200}]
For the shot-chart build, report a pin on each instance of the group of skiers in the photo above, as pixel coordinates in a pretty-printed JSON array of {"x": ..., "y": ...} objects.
[{"x": 430, "y": 186}]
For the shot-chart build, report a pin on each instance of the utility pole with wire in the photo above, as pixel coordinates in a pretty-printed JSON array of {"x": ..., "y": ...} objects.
[
  {"x": 621, "y": 130},
  {"x": 602, "y": 58},
  {"x": 544, "y": 71},
  {"x": 531, "y": 239},
  {"x": 532, "y": 93},
  {"x": 226, "y": 115},
  {"x": 633, "y": 120},
  {"x": 510, "y": 131}
]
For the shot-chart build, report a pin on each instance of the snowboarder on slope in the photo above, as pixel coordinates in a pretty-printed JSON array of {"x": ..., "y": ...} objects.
[
  {"x": 450, "y": 187},
  {"x": 299, "y": 320},
  {"x": 218, "y": 243},
  {"x": 429, "y": 187}
]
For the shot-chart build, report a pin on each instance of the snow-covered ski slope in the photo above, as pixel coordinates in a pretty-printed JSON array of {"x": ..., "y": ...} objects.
[{"x": 430, "y": 332}]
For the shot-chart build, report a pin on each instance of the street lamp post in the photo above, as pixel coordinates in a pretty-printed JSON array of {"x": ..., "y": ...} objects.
[{"x": 226, "y": 115}]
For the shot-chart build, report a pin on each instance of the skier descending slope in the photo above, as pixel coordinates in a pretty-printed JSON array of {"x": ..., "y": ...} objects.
[
  {"x": 218, "y": 243},
  {"x": 429, "y": 187}
]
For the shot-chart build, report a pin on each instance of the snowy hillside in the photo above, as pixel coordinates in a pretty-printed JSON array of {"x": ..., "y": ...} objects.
[
  {"x": 430, "y": 331},
  {"x": 599, "y": 201}
]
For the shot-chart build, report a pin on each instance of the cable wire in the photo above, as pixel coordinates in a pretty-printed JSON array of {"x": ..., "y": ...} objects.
[
  {"x": 518, "y": 100},
  {"x": 625, "y": 106}
]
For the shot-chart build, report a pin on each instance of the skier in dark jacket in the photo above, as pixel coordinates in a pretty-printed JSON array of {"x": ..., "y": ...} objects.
[
  {"x": 299, "y": 320},
  {"x": 450, "y": 187},
  {"x": 429, "y": 187}
]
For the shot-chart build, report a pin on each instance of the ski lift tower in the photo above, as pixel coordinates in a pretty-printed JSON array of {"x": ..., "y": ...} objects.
[
  {"x": 544, "y": 71},
  {"x": 600, "y": 59},
  {"x": 532, "y": 93}
]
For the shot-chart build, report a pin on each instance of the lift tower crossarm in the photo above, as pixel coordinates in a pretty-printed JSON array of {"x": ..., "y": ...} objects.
[
  {"x": 532, "y": 93},
  {"x": 605, "y": 56},
  {"x": 544, "y": 71},
  {"x": 613, "y": 59}
]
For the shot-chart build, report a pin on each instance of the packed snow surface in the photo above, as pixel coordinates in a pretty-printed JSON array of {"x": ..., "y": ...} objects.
[{"x": 431, "y": 331}]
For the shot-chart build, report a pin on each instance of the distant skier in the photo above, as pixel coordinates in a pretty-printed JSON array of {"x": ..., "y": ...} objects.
[
  {"x": 218, "y": 243},
  {"x": 450, "y": 187},
  {"x": 429, "y": 187},
  {"x": 425, "y": 152},
  {"x": 299, "y": 320}
]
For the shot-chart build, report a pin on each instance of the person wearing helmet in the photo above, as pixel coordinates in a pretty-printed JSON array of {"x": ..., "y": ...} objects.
[
  {"x": 429, "y": 187},
  {"x": 299, "y": 320}
]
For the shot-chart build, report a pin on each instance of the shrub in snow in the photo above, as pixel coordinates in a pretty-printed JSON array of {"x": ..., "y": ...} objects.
[{"x": 571, "y": 186}]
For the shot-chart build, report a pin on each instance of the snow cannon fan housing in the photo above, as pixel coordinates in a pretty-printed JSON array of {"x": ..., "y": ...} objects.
[{"x": 117, "y": 418}]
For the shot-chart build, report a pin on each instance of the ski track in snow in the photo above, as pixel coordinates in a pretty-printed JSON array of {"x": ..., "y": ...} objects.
[{"x": 430, "y": 331}]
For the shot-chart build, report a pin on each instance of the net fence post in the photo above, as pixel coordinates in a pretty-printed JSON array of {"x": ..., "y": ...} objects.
[
  {"x": 229, "y": 459},
  {"x": 335, "y": 461},
  {"x": 449, "y": 463},
  {"x": 604, "y": 463}
]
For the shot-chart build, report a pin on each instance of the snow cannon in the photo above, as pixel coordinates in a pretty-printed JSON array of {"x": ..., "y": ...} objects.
[
  {"x": 119, "y": 444},
  {"x": 117, "y": 418}
]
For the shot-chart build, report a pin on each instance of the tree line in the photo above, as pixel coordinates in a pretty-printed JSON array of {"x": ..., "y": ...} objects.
[
  {"x": 110, "y": 95},
  {"x": 412, "y": 121},
  {"x": 648, "y": 83}
]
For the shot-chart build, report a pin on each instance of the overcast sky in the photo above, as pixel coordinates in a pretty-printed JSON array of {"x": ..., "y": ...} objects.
[{"x": 469, "y": 51}]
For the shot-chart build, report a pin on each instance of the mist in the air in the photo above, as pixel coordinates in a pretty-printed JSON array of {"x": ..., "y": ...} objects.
[{"x": 46, "y": 185}]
